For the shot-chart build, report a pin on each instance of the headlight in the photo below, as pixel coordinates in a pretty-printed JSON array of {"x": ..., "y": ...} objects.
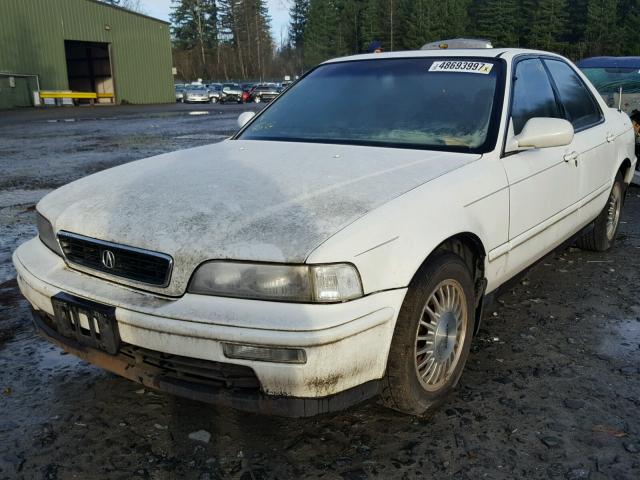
[
  {"x": 289, "y": 283},
  {"x": 46, "y": 234}
]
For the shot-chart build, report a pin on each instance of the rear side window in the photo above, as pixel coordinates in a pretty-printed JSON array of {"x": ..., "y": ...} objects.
[
  {"x": 532, "y": 94},
  {"x": 579, "y": 105}
]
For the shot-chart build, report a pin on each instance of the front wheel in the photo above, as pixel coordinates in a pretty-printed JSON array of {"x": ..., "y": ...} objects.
[
  {"x": 602, "y": 234},
  {"x": 432, "y": 338}
]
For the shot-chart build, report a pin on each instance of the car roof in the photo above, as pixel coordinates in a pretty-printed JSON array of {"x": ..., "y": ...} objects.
[
  {"x": 506, "y": 53},
  {"x": 609, "y": 62}
]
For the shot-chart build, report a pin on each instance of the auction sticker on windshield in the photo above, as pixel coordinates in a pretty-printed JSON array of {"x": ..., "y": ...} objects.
[{"x": 461, "y": 66}]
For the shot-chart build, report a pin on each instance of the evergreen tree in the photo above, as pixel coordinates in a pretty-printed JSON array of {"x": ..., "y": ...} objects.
[
  {"x": 245, "y": 30},
  {"x": 421, "y": 23},
  {"x": 299, "y": 13},
  {"x": 320, "y": 32},
  {"x": 548, "y": 25},
  {"x": 195, "y": 25},
  {"x": 603, "y": 36},
  {"x": 629, "y": 33},
  {"x": 382, "y": 21},
  {"x": 497, "y": 20}
]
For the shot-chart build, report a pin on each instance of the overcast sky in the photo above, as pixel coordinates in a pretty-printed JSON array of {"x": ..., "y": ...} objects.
[{"x": 278, "y": 9}]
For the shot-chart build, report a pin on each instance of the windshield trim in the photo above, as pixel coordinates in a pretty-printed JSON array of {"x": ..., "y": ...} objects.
[
  {"x": 493, "y": 130},
  {"x": 365, "y": 143}
]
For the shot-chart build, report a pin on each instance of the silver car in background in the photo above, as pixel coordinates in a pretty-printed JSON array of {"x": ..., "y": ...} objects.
[
  {"x": 196, "y": 94},
  {"x": 179, "y": 88},
  {"x": 215, "y": 92},
  {"x": 231, "y": 92}
]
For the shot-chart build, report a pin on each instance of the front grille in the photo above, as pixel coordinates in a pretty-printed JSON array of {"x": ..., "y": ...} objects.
[
  {"x": 193, "y": 370},
  {"x": 132, "y": 263}
]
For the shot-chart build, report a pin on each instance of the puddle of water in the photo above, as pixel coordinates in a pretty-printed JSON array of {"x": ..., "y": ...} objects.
[
  {"x": 51, "y": 359},
  {"x": 21, "y": 196},
  {"x": 624, "y": 341}
]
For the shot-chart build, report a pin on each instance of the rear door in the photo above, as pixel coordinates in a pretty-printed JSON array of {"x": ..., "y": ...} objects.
[{"x": 593, "y": 141}]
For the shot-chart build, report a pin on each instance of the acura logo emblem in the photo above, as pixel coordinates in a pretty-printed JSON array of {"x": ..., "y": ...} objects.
[{"x": 108, "y": 259}]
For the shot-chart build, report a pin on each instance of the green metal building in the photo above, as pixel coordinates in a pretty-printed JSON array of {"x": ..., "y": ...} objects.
[{"x": 84, "y": 46}]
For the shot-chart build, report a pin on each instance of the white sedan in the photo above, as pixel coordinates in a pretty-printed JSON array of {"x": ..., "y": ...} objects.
[{"x": 335, "y": 248}]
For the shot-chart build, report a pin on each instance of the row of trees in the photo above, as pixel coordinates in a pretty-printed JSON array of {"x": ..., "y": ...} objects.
[
  {"x": 222, "y": 39},
  {"x": 231, "y": 39},
  {"x": 322, "y": 29}
]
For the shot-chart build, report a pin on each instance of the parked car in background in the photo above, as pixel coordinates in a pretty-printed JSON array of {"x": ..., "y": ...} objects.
[
  {"x": 196, "y": 94},
  {"x": 231, "y": 92},
  {"x": 335, "y": 249},
  {"x": 179, "y": 89},
  {"x": 215, "y": 92},
  {"x": 612, "y": 76},
  {"x": 264, "y": 93}
]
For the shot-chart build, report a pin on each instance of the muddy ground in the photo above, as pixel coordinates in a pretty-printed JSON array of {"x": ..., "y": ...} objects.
[{"x": 551, "y": 390}]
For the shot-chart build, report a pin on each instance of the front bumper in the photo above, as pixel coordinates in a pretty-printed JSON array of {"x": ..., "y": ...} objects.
[
  {"x": 346, "y": 344},
  {"x": 232, "y": 390},
  {"x": 197, "y": 99},
  {"x": 267, "y": 97}
]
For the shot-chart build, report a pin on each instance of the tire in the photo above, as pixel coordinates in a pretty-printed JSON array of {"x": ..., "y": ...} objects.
[
  {"x": 602, "y": 235},
  {"x": 406, "y": 387}
]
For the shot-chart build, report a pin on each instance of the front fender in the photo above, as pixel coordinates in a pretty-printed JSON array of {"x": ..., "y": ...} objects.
[{"x": 389, "y": 244}]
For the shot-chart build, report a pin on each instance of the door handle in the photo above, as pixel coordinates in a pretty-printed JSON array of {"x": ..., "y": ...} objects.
[
  {"x": 610, "y": 137},
  {"x": 571, "y": 156}
]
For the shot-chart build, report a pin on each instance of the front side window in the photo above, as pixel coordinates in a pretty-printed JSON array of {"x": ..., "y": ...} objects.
[
  {"x": 532, "y": 94},
  {"x": 429, "y": 103},
  {"x": 579, "y": 105}
]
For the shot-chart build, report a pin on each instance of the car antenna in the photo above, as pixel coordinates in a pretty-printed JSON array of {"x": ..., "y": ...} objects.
[{"x": 620, "y": 100}]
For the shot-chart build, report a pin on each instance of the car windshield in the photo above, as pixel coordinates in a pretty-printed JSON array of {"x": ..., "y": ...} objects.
[
  {"x": 197, "y": 88},
  {"x": 232, "y": 86},
  {"x": 431, "y": 103},
  {"x": 609, "y": 80}
]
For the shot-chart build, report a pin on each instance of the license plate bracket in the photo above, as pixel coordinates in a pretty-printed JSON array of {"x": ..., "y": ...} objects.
[{"x": 89, "y": 323}]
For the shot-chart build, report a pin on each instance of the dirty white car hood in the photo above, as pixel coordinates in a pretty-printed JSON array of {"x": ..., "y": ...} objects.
[{"x": 249, "y": 200}]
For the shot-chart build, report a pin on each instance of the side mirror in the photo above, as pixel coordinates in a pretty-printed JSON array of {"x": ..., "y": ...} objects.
[
  {"x": 245, "y": 117},
  {"x": 542, "y": 132}
]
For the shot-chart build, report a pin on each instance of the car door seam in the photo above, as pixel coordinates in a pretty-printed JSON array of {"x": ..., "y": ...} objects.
[{"x": 527, "y": 235}]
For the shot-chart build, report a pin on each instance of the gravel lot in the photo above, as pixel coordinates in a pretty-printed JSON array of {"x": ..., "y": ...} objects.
[{"x": 551, "y": 390}]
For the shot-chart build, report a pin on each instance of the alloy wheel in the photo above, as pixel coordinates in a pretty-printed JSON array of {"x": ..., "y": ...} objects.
[
  {"x": 440, "y": 335},
  {"x": 614, "y": 206}
]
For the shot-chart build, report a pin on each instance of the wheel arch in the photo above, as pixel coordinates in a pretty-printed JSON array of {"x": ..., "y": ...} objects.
[
  {"x": 625, "y": 170},
  {"x": 466, "y": 245},
  {"x": 469, "y": 247}
]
